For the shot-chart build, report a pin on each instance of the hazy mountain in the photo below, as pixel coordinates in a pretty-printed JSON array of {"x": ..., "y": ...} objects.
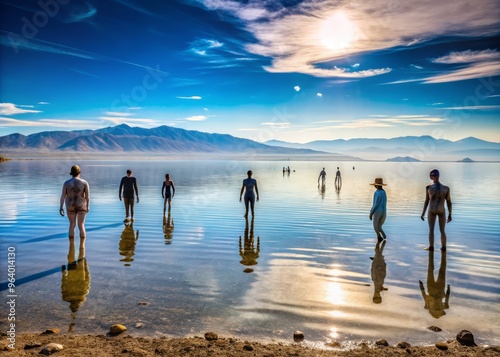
[
  {"x": 423, "y": 148},
  {"x": 402, "y": 159},
  {"x": 123, "y": 138}
]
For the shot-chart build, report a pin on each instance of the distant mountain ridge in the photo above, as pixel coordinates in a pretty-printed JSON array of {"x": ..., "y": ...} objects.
[
  {"x": 423, "y": 148},
  {"x": 123, "y": 138}
]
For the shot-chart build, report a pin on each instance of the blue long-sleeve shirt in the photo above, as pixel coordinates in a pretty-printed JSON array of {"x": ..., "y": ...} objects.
[{"x": 379, "y": 202}]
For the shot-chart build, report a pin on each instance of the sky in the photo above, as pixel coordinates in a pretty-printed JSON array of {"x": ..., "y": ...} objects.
[{"x": 289, "y": 70}]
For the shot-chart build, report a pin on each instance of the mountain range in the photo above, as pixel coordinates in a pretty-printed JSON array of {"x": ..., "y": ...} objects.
[
  {"x": 165, "y": 139},
  {"x": 423, "y": 148}
]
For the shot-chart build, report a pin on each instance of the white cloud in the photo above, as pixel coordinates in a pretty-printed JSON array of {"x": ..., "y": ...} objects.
[
  {"x": 468, "y": 57},
  {"x": 116, "y": 120},
  {"x": 416, "y": 66},
  {"x": 193, "y": 97},
  {"x": 296, "y": 41},
  {"x": 277, "y": 125},
  {"x": 118, "y": 114},
  {"x": 297, "y": 88},
  {"x": 474, "y": 107},
  {"x": 43, "y": 103},
  {"x": 355, "y": 65},
  {"x": 57, "y": 123},
  {"x": 202, "y": 47},
  {"x": 197, "y": 118},
  {"x": 12, "y": 109},
  {"x": 477, "y": 70},
  {"x": 319, "y": 94}
]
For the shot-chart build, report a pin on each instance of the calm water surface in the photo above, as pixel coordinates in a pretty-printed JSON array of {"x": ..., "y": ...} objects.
[{"x": 310, "y": 250}]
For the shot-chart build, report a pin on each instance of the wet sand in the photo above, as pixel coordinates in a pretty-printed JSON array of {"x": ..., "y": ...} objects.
[{"x": 127, "y": 345}]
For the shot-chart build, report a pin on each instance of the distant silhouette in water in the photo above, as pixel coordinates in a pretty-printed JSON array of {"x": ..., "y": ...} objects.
[
  {"x": 249, "y": 185},
  {"x": 338, "y": 178},
  {"x": 127, "y": 243},
  {"x": 379, "y": 268},
  {"x": 378, "y": 211},
  {"x": 322, "y": 177},
  {"x": 435, "y": 196},
  {"x": 249, "y": 253},
  {"x": 436, "y": 288},
  {"x": 168, "y": 228},
  {"x": 167, "y": 192},
  {"x": 322, "y": 190},
  {"x": 75, "y": 281}
]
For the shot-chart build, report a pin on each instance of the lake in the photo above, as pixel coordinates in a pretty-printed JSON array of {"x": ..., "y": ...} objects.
[{"x": 303, "y": 263}]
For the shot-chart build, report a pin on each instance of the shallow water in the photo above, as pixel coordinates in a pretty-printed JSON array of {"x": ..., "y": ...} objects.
[{"x": 309, "y": 250}]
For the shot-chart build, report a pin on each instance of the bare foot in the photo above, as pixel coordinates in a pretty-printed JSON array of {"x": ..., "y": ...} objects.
[{"x": 431, "y": 249}]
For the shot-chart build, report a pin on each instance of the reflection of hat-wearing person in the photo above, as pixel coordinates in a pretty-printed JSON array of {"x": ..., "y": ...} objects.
[
  {"x": 127, "y": 243},
  {"x": 379, "y": 208},
  {"x": 435, "y": 288},
  {"x": 248, "y": 252},
  {"x": 379, "y": 268},
  {"x": 75, "y": 282}
]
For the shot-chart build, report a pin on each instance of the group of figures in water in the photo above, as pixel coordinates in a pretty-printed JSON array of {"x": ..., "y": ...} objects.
[{"x": 75, "y": 196}]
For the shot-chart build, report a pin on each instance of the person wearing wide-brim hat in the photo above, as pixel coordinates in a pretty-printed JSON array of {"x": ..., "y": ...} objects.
[{"x": 378, "y": 211}]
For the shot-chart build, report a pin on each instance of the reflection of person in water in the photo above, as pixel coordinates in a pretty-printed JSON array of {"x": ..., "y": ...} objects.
[
  {"x": 168, "y": 228},
  {"x": 435, "y": 288},
  {"x": 127, "y": 243},
  {"x": 379, "y": 268},
  {"x": 75, "y": 283},
  {"x": 338, "y": 178},
  {"x": 248, "y": 252}
]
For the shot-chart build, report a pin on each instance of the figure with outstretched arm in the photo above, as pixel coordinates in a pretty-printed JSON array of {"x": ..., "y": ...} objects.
[
  {"x": 436, "y": 194},
  {"x": 249, "y": 186}
]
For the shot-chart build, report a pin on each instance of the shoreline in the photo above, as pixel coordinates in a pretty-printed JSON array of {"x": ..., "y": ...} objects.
[{"x": 31, "y": 344}]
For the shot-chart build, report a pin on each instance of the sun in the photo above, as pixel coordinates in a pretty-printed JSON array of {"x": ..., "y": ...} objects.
[{"x": 337, "y": 31}]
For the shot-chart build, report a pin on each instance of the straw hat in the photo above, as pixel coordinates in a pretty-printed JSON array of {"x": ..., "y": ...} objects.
[{"x": 378, "y": 182}]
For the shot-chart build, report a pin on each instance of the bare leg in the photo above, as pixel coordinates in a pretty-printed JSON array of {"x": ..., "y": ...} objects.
[
  {"x": 442, "y": 224},
  {"x": 72, "y": 224},
  {"x": 247, "y": 202},
  {"x": 81, "y": 227},
  {"x": 252, "y": 204},
  {"x": 431, "y": 218}
]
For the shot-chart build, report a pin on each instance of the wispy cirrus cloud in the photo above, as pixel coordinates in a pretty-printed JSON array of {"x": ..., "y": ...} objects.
[
  {"x": 117, "y": 120},
  {"x": 306, "y": 37},
  {"x": 56, "y": 123},
  {"x": 276, "y": 125},
  {"x": 193, "y": 97},
  {"x": 379, "y": 121},
  {"x": 12, "y": 109},
  {"x": 474, "y": 107},
  {"x": 79, "y": 12},
  {"x": 468, "y": 57},
  {"x": 197, "y": 118}
]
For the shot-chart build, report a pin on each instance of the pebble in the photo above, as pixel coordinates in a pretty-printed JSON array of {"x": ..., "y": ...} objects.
[
  {"x": 51, "y": 348},
  {"x": 139, "y": 325},
  {"x": 117, "y": 329},
  {"x": 211, "y": 336},
  {"x": 442, "y": 346},
  {"x": 465, "y": 337},
  {"x": 51, "y": 331},
  {"x": 382, "y": 343},
  {"x": 435, "y": 328},
  {"x": 31, "y": 345},
  {"x": 298, "y": 336},
  {"x": 403, "y": 344},
  {"x": 248, "y": 348}
]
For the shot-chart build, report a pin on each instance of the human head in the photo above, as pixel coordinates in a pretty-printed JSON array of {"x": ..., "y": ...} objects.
[
  {"x": 434, "y": 173},
  {"x": 129, "y": 172},
  {"x": 167, "y": 176},
  {"x": 379, "y": 182},
  {"x": 75, "y": 170},
  {"x": 249, "y": 173}
]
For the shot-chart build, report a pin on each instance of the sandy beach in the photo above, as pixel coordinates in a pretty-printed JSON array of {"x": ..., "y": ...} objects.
[{"x": 32, "y": 344}]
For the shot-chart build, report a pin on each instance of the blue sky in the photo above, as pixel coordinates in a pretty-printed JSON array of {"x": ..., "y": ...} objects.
[{"x": 265, "y": 69}]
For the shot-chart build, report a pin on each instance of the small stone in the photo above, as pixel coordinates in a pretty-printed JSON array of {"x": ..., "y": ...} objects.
[
  {"x": 31, "y": 345},
  {"x": 51, "y": 348},
  {"x": 211, "y": 336},
  {"x": 466, "y": 338},
  {"x": 143, "y": 303},
  {"x": 139, "y": 325},
  {"x": 298, "y": 336},
  {"x": 382, "y": 343},
  {"x": 334, "y": 344},
  {"x": 50, "y": 331},
  {"x": 248, "y": 270},
  {"x": 117, "y": 329},
  {"x": 442, "y": 346},
  {"x": 403, "y": 344},
  {"x": 248, "y": 348},
  {"x": 435, "y": 328}
]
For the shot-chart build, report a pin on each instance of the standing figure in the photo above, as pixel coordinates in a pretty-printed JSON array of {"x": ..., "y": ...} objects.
[
  {"x": 76, "y": 195},
  {"x": 322, "y": 176},
  {"x": 338, "y": 178},
  {"x": 378, "y": 211},
  {"x": 248, "y": 186},
  {"x": 435, "y": 196},
  {"x": 128, "y": 186},
  {"x": 166, "y": 193}
]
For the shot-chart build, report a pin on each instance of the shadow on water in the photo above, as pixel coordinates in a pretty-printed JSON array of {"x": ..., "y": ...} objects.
[
  {"x": 65, "y": 234},
  {"x": 32, "y": 277}
]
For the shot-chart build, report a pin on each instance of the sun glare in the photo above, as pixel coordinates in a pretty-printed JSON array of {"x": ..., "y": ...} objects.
[{"x": 337, "y": 31}]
